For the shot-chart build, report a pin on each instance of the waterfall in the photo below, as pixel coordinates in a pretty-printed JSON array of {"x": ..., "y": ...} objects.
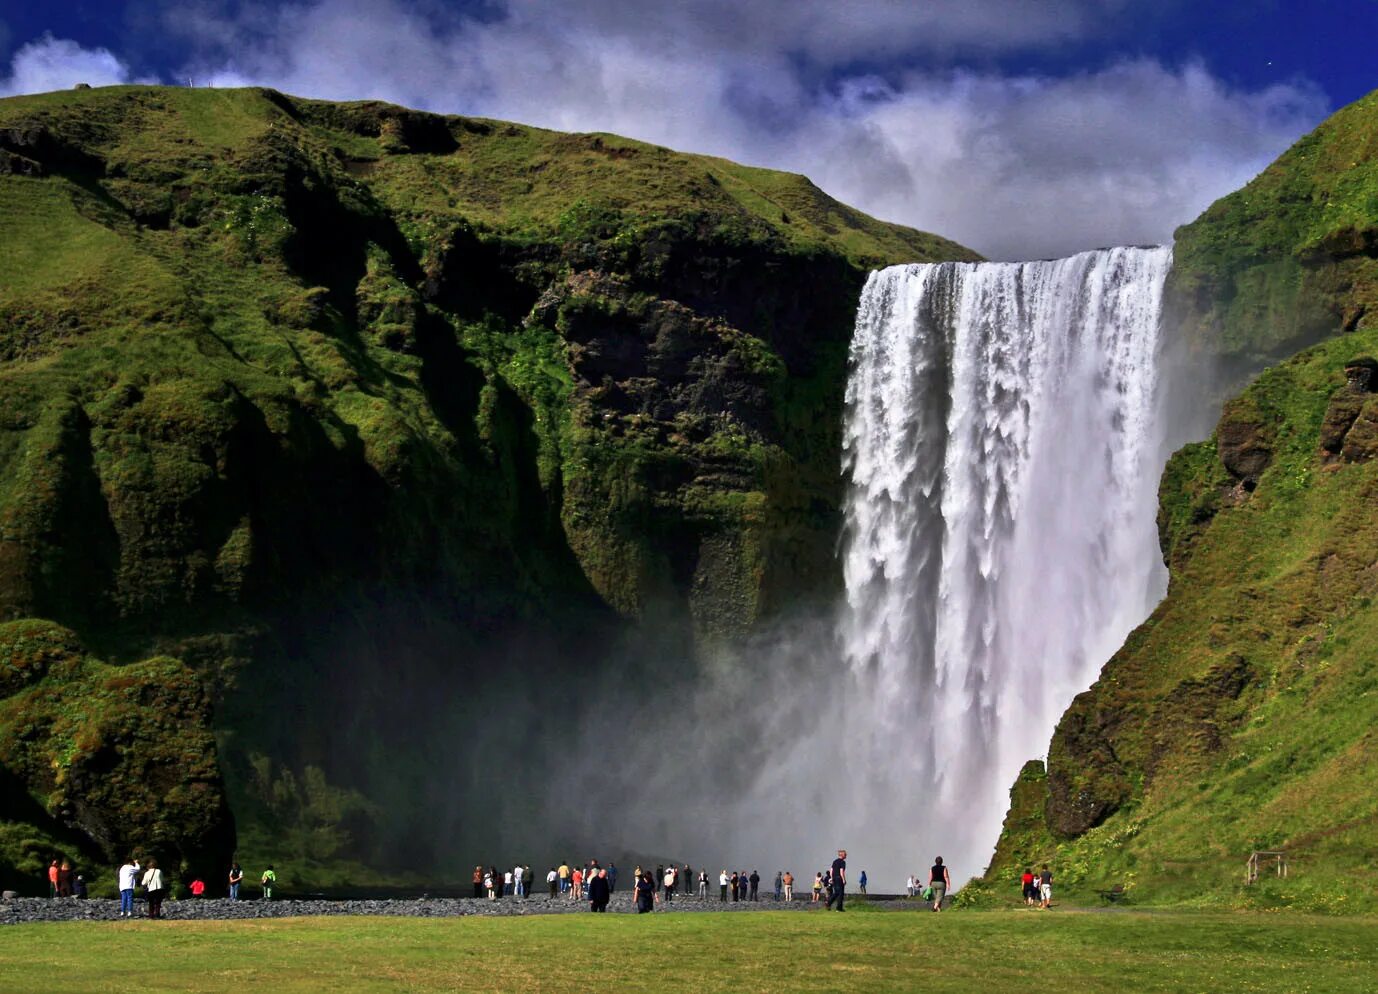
[{"x": 1002, "y": 445}]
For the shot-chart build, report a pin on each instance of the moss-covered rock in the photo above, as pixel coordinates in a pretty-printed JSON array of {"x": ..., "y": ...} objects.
[{"x": 123, "y": 755}]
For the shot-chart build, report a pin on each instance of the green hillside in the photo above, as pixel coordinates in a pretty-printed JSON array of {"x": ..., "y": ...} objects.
[
  {"x": 319, "y": 422},
  {"x": 1242, "y": 714}
]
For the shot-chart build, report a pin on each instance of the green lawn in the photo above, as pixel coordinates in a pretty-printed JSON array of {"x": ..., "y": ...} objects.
[{"x": 993, "y": 952}]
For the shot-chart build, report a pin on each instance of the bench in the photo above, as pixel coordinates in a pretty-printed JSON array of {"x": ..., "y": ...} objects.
[{"x": 1113, "y": 895}]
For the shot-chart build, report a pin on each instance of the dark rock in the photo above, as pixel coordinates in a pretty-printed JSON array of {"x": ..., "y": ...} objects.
[
  {"x": 1351, "y": 314},
  {"x": 1340, "y": 415},
  {"x": 54, "y": 153},
  {"x": 1086, "y": 781},
  {"x": 1361, "y": 441},
  {"x": 1359, "y": 374},
  {"x": 1342, "y": 243},
  {"x": 1245, "y": 446},
  {"x": 12, "y": 164}
]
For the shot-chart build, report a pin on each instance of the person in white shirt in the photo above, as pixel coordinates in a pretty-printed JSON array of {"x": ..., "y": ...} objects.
[
  {"x": 129, "y": 873},
  {"x": 909, "y": 886},
  {"x": 507, "y": 883},
  {"x": 722, "y": 886},
  {"x": 517, "y": 887},
  {"x": 153, "y": 887},
  {"x": 552, "y": 880}
]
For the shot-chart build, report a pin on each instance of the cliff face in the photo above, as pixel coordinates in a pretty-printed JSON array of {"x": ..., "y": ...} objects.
[
  {"x": 343, "y": 416},
  {"x": 1241, "y": 715}
]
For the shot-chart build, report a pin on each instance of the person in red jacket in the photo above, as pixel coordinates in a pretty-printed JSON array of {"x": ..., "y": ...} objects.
[
  {"x": 198, "y": 888},
  {"x": 52, "y": 879}
]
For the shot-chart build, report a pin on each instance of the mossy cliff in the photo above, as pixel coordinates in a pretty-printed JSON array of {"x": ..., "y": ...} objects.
[
  {"x": 353, "y": 410},
  {"x": 1242, "y": 714}
]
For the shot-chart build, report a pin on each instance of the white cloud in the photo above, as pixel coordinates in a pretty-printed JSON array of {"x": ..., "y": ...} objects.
[
  {"x": 1020, "y": 166},
  {"x": 50, "y": 63}
]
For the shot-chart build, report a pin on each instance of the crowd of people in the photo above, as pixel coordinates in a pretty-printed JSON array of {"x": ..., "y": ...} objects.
[
  {"x": 589, "y": 882},
  {"x": 132, "y": 876}
]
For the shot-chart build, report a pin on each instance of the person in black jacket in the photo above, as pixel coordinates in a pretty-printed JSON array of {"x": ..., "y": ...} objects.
[
  {"x": 600, "y": 892},
  {"x": 645, "y": 893}
]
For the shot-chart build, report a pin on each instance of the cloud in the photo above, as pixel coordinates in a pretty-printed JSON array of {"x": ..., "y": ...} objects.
[
  {"x": 1014, "y": 165},
  {"x": 1025, "y": 167},
  {"x": 50, "y": 63}
]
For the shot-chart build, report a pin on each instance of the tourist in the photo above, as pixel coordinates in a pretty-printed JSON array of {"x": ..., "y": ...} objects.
[
  {"x": 755, "y": 880},
  {"x": 686, "y": 879},
  {"x": 576, "y": 883},
  {"x": 497, "y": 881},
  {"x": 153, "y": 889},
  {"x": 236, "y": 878},
  {"x": 552, "y": 880},
  {"x": 600, "y": 892},
  {"x": 612, "y": 877},
  {"x": 198, "y": 887},
  {"x": 645, "y": 893},
  {"x": 940, "y": 882},
  {"x": 127, "y": 876},
  {"x": 527, "y": 878},
  {"x": 722, "y": 882},
  {"x": 669, "y": 881},
  {"x": 736, "y": 885},
  {"x": 267, "y": 881},
  {"x": 488, "y": 884},
  {"x": 52, "y": 879},
  {"x": 703, "y": 884},
  {"x": 817, "y": 887},
  {"x": 79, "y": 887},
  {"x": 789, "y": 886},
  {"x": 909, "y": 886},
  {"x": 1030, "y": 889},
  {"x": 837, "y": 891},
  {"x": 507, "y": 884},
  {"x": 861, "y": 882},
  {"x": 1045, "y": 887},
  {"x": 564, "y": 876},
  {"x": 779, "y": 883},
  {"x": 478, "y": 882},
  {"x": 65, "y": 874}
]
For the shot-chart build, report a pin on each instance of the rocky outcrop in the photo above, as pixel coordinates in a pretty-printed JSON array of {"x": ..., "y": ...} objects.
[
  {"x": 123, "y": 756},
  {"x": 1350, "y": 428},
  {"x": 1244, "y": 441}
]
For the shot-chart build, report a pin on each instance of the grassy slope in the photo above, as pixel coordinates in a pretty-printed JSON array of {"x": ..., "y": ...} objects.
[
  {"x": 253, "y": 347},
  {"x": 1241, "y": 715},
  {"x": 996, "y": 952},
  {"x": 1287, "y": 259}
]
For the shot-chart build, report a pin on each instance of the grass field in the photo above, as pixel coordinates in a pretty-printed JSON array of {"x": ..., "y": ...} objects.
[{"x": 989, "y": 952}]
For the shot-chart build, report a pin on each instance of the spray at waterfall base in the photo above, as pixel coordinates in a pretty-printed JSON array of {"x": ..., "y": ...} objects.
[{"x": 1003, "y": 441}]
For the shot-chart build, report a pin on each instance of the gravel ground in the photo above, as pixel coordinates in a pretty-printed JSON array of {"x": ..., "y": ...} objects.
[{"x": 36, "y": 909}]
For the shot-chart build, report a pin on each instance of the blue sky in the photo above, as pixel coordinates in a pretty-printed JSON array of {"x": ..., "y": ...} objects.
[{"x": 1024, "y": 128}]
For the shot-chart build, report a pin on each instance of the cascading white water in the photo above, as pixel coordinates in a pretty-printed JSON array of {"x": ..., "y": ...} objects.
[{"x": 1003, "y": 448}]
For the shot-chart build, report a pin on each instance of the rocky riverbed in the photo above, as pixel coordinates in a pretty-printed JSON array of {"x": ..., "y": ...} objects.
[{"x": 34, "y": 909}]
